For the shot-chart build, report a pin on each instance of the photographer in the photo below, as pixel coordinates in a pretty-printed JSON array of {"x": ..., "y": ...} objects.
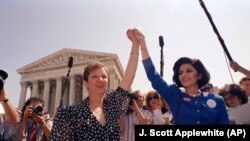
[
  {"x": 11, "y": 116},
  {"x": 135, "y": 115},
  {"x": 33, "y": 126}
]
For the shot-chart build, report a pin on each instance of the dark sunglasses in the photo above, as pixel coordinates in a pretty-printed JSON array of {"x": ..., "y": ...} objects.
[{"x": 152, "y": 97}]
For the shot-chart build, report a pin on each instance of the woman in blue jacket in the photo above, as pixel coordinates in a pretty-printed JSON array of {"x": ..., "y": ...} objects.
[{"x": 189, "y": 105}]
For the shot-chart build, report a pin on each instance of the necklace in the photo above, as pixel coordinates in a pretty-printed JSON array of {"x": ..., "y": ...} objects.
[{"x": 194, "y": 94}]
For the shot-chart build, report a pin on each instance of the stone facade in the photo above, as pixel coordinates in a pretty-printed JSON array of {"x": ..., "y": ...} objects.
[{"x": 46, "y": 78}]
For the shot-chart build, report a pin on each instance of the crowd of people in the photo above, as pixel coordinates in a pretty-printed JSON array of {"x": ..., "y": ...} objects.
[
  {"x": 112, "y": 114},
  {"x": 32, "y": 124}
]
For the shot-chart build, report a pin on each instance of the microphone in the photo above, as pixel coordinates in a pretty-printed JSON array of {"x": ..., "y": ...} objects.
[
  {"x": 216, "y": 31},
  {"x": 70, "y": 63},
  {"x": 161, "y": 42}
]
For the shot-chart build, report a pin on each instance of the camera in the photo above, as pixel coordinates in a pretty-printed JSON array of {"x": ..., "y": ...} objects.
[
  {"x": 132, "y": 96},
  {"x": 3, "y": 76},
  {"x": 37, "y": 110}
]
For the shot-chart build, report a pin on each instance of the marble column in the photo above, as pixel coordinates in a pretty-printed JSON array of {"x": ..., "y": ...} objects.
[
  {"x": 58, "y": 93},
  {"x": 52, "y": 96},
  {"x": 72, "y": 90},
  {"x": 46, "y": 93},
  {"x": 22, "y": 99},
  {"x": 34, "y": 92}
]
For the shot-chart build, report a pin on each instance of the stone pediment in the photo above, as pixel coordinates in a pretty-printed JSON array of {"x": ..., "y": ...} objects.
[{"x": 60, "y": 60}]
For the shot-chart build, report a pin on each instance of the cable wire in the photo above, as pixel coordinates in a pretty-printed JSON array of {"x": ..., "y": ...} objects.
[{"x": 228, "y": 67}]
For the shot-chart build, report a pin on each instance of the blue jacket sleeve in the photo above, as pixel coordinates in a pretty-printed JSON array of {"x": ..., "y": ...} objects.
[{"x": 170, "y": 93}]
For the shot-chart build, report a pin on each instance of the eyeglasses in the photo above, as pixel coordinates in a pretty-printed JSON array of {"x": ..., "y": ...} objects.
[{"x": 152, "y": 97}]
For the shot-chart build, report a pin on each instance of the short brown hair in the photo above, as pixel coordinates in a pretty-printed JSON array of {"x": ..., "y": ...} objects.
[{"x": 91, "y": 67}]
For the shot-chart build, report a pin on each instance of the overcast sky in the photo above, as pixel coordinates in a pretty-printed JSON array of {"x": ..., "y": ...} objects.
[{"x": 30, "y": 30}]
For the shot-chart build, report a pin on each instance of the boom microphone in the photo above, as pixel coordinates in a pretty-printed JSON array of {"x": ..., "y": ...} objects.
[{"x": 216, "y": 31}]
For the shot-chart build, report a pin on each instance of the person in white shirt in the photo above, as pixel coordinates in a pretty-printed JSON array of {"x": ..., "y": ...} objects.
[
  {"x": 154, "y": 105},
  {"x": 245, "y": 85},
  {"x": 134, "y": 116}
]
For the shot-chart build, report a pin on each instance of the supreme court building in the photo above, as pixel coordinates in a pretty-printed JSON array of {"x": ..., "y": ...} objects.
[{"x": 46, "y": 77}]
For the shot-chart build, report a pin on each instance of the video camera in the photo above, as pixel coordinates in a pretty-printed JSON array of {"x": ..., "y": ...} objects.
[{"x": 3, "y": 76}]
